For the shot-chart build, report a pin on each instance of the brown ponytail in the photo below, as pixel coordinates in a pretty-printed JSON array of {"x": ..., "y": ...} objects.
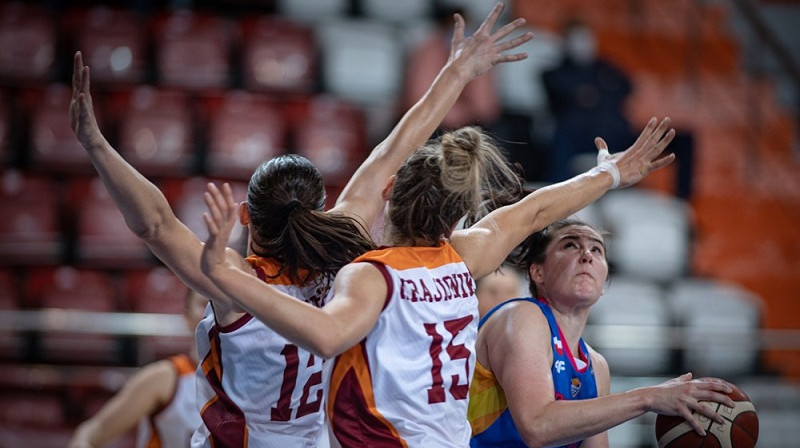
[{"x": 285, "y": 198}]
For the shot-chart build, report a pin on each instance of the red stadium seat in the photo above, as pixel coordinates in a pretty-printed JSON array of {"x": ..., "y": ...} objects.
[
  {"x": 66, "y": 287},
  {"x": 192, "y": 50},
  {"x": 34, "y": 437},
  {"x": 244, "y": 131},
  {"x": 102, "y": 237},
  {"x": 332, "y": 136},
  {"x": 28, "y": 40},
  {"x": 113, "y": 42},
  {"x": 186, "y": 198},
  {"x": 29, "y": 230},
  {"x": 11, "y": 342},
  {"x": 155, "y": 290},
  {"x": 53, "y": 144},
  {"x": 158, "y": 290},
  {"x": 156, "y": 133},
  {"x": 278, "y": 55},
  {"x": 31, "y": 409}
]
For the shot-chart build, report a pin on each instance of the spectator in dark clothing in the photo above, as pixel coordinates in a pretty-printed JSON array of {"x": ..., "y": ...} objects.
[{"x": 586, "y": 96}]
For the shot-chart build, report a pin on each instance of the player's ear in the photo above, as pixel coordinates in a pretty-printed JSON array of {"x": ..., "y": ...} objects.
[
  {"x": 536, "y": 273},
  {"x": 244, "y": 214}
]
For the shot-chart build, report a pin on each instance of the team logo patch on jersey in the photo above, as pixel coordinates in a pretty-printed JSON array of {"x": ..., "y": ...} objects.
[
  {"x": 574, "y": 387},
  {"x": 559, "y": 347}
]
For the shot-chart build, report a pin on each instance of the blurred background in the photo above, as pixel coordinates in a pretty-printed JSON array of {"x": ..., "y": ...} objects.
[{"x": 705, "y": 254}]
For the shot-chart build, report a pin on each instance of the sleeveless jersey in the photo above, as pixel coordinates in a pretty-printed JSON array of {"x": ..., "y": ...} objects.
[
  {"x": 255, "y": 388},
  {"x": 172, "y": 425},
  {"x": 489, "y": 416},
  {"x": 407, "y": 383}
]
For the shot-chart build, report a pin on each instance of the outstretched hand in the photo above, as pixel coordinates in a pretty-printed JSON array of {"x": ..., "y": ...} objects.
[
  {"x": 220, "y": 219},
  {"x": 682, "y": 396},
  {"x": 483, "y": 50},
  {"x": 81, "y": 110},
  {"x": 644, "y": 156}
]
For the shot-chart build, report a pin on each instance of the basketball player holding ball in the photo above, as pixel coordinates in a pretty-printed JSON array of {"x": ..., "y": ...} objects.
[{"x": 537, "y": 383}]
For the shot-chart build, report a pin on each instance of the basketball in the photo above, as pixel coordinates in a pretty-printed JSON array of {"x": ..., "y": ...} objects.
[{"x": 740, "y": 429}]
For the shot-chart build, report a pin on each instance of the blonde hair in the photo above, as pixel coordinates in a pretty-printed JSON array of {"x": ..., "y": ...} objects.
[{"x": 446, "y": 180}]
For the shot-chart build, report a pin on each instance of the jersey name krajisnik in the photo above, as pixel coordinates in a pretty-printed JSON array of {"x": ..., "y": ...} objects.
[
  {"x": 406, "y": 384},
  {"x": 172, "y": 425},
  {"x": 255, "y": 388}
]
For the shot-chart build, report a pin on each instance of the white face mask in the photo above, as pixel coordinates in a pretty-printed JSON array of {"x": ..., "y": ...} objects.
[{"x": 580, "y": 46}]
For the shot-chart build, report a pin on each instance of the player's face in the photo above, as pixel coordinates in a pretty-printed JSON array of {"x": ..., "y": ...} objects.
[{"x": 575, "y": 266}]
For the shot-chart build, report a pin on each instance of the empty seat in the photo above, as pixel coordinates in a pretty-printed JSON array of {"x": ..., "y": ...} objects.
[
  {"x": 154, "y": 290},
  {"x": 631, "y": 324},
  {"x": 362, "y": 61},
  {"x": 31, "y": 409},
  {"x": 312, "y": 10},
  {"x": 28, "y": 42},
  {"x": 721, "y": 324},
  {"x": 278, "y": 55},
  {"x": 156, "y": 133},
  {"x": 332, "y": 136},
  {"x": 69, "y": 288},
  {"x": 12, "y": 343},
  {"x": 192, "y": 50},
  {"x": 186, "y": 198},
  {"x": 244, "y": 131},
  {"x": 650, "y": 233},
  {"x": 158, "y": 290},
  {"x": 407, "y": 12},
  {"x": 113, "y": 43},
  {"x": 519, "y": 84},
  {"x": 29, "y": 229},
  {"x": 102, "y": 238},
  {"x": 53, "y": 143}
]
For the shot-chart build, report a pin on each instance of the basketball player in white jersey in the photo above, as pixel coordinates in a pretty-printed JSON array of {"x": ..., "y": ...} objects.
[
  {"x": 160, "y": 398},
  {"x": 403, "y": 320},
  {"x": 255, "y": 387}
]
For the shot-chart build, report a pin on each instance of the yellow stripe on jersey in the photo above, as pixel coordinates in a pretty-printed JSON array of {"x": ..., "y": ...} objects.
[
  {"x": 487, "y": 400},
  {"x": 401, "y": 258}
]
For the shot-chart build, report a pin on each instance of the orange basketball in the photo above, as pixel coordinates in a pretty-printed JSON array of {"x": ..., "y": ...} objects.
[{"x": 740, "y": 429}]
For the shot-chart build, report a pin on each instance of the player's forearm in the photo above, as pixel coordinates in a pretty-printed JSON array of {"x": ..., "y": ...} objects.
[
  {"x": 303, "y": 324},
  {"x": 142, "y": 204},
  {"x": 549, "y": 204},
  {"x": 566, "y": 421}
]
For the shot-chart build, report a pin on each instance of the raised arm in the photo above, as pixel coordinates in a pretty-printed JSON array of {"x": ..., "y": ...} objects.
[
  {"x": 523, "y": 371},
  {"x": 469, "y": 58},
  {"x": 359, "y": 287},
  {"x": 486, "y": 244},
  {"x": 142, "y": 395},
  {"x": 147, "y": 212}
]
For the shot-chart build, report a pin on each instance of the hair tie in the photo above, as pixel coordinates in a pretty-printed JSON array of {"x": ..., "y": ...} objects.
[{"x": 292, "y": 205}]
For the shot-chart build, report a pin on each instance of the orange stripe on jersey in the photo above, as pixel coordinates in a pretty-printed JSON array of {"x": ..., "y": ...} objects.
[
  {"x": 354, "y": 416},
  {"x": 183, "y": 364},
  {"x": 155, "y": 439},
  {"x": 268, "y": 269},
  {"x": 212, "y": 360},
  {"x": 413, "y": 257}
]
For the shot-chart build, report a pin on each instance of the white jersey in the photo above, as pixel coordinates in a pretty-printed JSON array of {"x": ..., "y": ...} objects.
[
  {"x": 255, "y": 388},
  {"x": 407, "y": 383},
  {"x": 172, "y": 425}
]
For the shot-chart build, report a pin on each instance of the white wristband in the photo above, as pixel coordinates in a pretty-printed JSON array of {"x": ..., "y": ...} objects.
[
  {"x": 602, "y": 155},
  {"x": 612, "y": 169}
]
